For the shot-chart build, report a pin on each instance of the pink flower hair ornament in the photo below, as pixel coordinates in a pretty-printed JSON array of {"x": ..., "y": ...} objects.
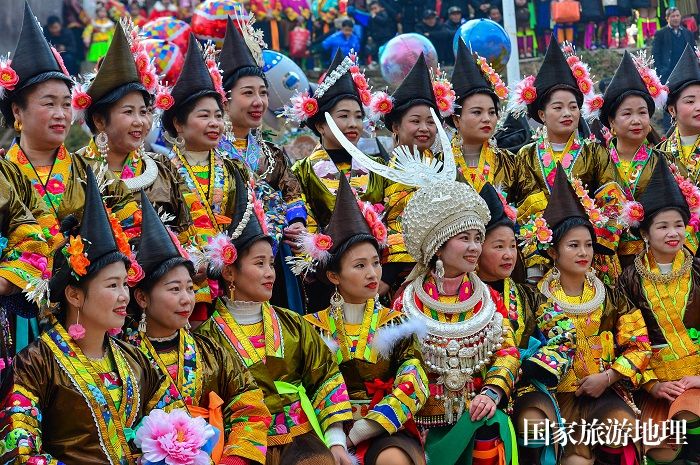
[
  {"x": 592, "y": 102},
  {"x": 523, "y": 94},
  {"x": 220, "y": 252},
  {"x": 632, "y": 214},
  {"x": 8, "y": 76},
  {"x": 494, "y": 79},
  {"x": 175, "y": 438},
  {"x": 315, "y": 251},
  {"x": 80, "y": 101},
  {"x": 645, "y": 67},
  {"x": 444, "y": 94},
  {"x": 303, "y": 106}
]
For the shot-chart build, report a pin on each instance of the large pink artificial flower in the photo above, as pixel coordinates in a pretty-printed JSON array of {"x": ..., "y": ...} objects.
[{"x": 173, "y": 438}]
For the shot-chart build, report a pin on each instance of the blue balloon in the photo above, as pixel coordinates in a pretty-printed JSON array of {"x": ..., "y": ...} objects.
[{"x": 487, "y": 38}]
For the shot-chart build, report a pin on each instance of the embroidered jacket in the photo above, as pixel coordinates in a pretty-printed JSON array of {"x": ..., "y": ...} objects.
[
  {"x": 57, "y": 407},
  {"x": 202, "y": 368},
  {"x": 163, "y": 185},
  {"x": 381, "y": 363},
  {"x": 318, "y": 177},
  {"x": 294, "y": 354},
  {"x": 672, "y": 316},
  {"x": 64, "y": 190},
  {"x": 611, "y": 336}
]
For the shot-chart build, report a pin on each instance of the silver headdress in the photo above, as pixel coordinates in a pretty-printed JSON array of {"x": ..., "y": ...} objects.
[{"x": 441, "y": 207}]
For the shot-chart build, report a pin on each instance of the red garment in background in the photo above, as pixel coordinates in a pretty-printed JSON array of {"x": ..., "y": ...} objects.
[{"x": 298, "y": 42}]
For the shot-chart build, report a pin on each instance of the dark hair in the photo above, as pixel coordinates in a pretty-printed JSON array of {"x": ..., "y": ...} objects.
[
  {"x": 103, "y": 106},
  {"x": 460, "y": 101},
  {"x": 671, "y": 9},
  {"x": 396, "y": 115},
  {"x": 242, "y": 72},
  {"x": 21, "y": 97},
  {"x": 337, "y": 256},
  {"x": 147, "y": 283},
  {"x": 507, "y": 222},
  {"x": 242, "y": 252},
  {"x": 567, "y": 225},
  {"x": 547, "y": 97},
  {"x": 645, "y": 224},
  {"x": 329, "y": 106},
  {"x": 53, "y": 19},
  {"x": 347, "y": 23},
  {"x": 618, "y": 101},
  {"x": 181, "y": 112}
]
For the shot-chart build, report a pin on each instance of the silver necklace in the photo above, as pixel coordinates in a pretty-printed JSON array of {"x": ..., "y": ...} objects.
[
  {"x": 577, "y": 309},
  {"x": 457, "y": 307},
  {"x": 146, "y": 179}
]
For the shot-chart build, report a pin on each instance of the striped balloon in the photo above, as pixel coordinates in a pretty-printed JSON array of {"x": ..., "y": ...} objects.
[
  {"x": 170, "y": 29},
  {"x": 209, "y": 19},
  {"x": 167, "y": 58}
]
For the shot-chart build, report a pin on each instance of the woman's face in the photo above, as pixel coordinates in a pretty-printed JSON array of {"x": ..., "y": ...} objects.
[
  {"x": 128, "y": 124},
  {"x": 169, "y": 303},
  {"x": 416, "y": 127},
  {"x": 561, "y": 114},
  {"x": 631, "y": 121},
  {"x": 103, "y": 302},
  {"x": 499, "y": 254},
  {"x": 204, "y": 126},
  {"x": 47, "y": 117},
  {"x": 347, "y": 115},
  {"x": 666, "y": 235},
  {"x": 360, "y": 272},
  {"x": 573, "y": 255},
  {"x": 253, "y": 274},
  {"x": 248, "y": 103},
  {"x": 687, "y": 110},
  {"x": 477, "y": 120},
  {"x": 460, "y": 254}
]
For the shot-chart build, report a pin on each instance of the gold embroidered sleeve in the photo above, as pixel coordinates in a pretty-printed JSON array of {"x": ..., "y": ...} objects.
[{"x": 632, "y": 341}]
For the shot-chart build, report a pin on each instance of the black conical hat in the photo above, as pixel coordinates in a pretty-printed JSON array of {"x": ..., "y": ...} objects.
[
  {"x": 195, "y": 80},
  {"x": 495, "y": 204},
  {"x": 662, "y": 192},
  {"x": 415, "y": 89},
  {"x": 564, "y": 203},
  {"x": 343, "y": 87},
  {"x": 95, "y": 228},
  {"x": 156, "y": 245},
  {"x": 346, "y": 220},
  {"x": 686, "y": 72},
  {"x": 117, "y": 68},
  {"x": 235, "y": 53},
  {"x": 33, "y": 60},
  {"x": 96, "y": 234},
  {"x": 253, "y": 230},
  {"x": 626, "y": 81},
  {"x": 467, "y": 77},
  {"x": 554, "y": 73}
]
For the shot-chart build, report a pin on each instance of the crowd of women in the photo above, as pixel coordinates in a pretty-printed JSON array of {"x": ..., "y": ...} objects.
[{"x": 456, "y": 298}]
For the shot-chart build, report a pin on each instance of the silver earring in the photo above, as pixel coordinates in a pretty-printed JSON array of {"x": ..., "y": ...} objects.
[
  {"x": 556, "y": 274},
  {"x": 590, "y": 276},
  {"x": 337, "y": 303},
  {"x": 228, "y": 129},
  {"x": 142, "y": 323},
  {"x": 188, "y": 326},
  {"x": 440, "y": 275},
  {"x": 646, "y": 244},
  {"x": 492, "y": 143},
  {"x": 102, "y": 143}
]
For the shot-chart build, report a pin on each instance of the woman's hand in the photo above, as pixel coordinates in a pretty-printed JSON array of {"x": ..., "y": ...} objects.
[
  {"x": 668, "y": 390},
  {"x": 482, "y": 407},
  {"x": 690, "y": 382},
  {"x": 292, "y": 234},
  {"x": 593, "y": 385},
  {"x": 340, "y": 455}
]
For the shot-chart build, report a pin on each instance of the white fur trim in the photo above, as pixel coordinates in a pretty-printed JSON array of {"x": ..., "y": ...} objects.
[
  {"x": 330, "y": 342},
  {"x": 387, "y": 336}
]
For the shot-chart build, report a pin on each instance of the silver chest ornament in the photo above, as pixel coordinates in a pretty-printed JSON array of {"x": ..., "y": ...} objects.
[{"x": 457, "y": 351}]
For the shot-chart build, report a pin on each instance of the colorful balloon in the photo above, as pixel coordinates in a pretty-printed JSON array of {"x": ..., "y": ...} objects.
[
  {"x": 170, "y": 29},
  {"x": 167, "y": 58},
  {"x": 488, "y": 39},
  {"x": 397, "y": 57},
  {"x": 285, "y": 79},
  {"x": 209, "y": 19}
]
